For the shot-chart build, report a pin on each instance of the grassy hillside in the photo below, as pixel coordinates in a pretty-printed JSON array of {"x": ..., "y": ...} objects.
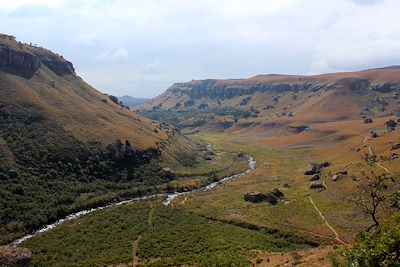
[{"x": 64, "y": 146}]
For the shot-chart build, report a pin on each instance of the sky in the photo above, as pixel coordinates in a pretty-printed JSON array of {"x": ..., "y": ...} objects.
[{"x": 140, "y": 48}]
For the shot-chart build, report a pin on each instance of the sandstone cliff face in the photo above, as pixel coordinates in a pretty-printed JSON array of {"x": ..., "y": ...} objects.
[
  {"x": 58, "y": 65},
  {"x": 24, "y": 60},
  {"x": 19, "y": 61},
  {"x": 228, "y": 89}
]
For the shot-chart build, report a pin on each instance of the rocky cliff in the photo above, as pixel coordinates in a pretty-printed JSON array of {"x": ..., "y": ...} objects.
[
  {"x": 24, "y": 59},
  {"x": 227, "y": 89},
  {"x": 278, "y": 100}
]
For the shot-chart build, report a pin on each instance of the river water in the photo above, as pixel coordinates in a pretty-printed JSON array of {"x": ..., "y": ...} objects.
[{"x": 169, "y": 198}]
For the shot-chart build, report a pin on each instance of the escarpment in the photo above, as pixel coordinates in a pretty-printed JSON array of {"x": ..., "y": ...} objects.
[{"x": 23, "y": 59}]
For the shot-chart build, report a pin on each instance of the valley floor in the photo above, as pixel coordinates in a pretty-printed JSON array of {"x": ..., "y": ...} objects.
[{"x": 219, "y": 228}]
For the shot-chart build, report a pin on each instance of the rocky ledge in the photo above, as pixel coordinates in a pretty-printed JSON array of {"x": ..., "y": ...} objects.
[{"x": 23, "y": 59}]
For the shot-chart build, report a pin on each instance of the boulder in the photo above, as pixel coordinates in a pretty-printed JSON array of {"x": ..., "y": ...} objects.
[
  {"x": 390, "y": 125},
  {"x": 286, "y": 185},
  {"x": 335, "y": 177},
  {"x": 168, "y": 172},
  {"x": 341, "y": 173},
  {"x": 316, "y": 185},
  {"x": 274, "y": 196},
  {"x": 312, "y": 168},
  {"x": 374, "y": 134},
  {"x": 255, "y": 197},
  {"x": 368, "y": 120},
  {"x": 393, "y": 156},
  {"x": 314, "y": 177},
  {"x": 240, "y": 154},
  {"x": 15, "y": 256}
]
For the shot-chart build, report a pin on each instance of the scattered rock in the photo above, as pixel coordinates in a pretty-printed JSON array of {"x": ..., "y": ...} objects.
[
  {"x": 240, "y": 154},
  {"x": 312, "y": 168},
  {"x": 368, "y": 120},
  {"x": 16, "y": 257},
  {"x": 314, "y": 177},
  {"x": 395, "y": 146},
  {"x": 286, "y": 185},
  {"x": 316, "y": 185},
  {"x": 390, "y": 125},
  {"x": 341, "y": 173}
]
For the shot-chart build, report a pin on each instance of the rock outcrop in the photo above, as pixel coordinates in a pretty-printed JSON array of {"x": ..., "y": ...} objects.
[
  {"x": 14, "y": 257},
  {"x": 24, "y": 60},
  {"x": 272, "y": 197},
  {"x": 315, "y": 168},
  {"x": 316, "y": 185},
  {"x": 390, "y": 125},
  {"x": 368, "y": 120},
  {"x": 227, "y": 89},
  {"x": 18, "y": 61}
]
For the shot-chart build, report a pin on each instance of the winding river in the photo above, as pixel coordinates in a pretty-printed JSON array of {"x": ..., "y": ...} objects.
[{"x": 169, "y": 198}]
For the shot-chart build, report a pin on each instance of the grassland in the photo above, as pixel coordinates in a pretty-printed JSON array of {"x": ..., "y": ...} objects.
[
  {"x": 276, "y": 167},
  {"x": 168, "y": 237}
]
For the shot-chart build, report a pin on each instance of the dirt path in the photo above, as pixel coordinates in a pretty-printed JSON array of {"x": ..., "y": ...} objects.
[
  {"x": 323, "y": 182},
  {"x": 135, "y": 257},
  {"x": 372, "y": 153},
  {"x": 386, "y": 169},
  {"x": 337, "y": 238},
  {"x": 135, "y": 243}
]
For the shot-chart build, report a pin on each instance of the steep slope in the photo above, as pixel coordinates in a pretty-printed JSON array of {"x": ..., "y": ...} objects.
[{"x": 64, "y": 146}]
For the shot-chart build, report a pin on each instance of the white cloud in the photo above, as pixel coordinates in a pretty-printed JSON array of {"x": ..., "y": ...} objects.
[
  {"x": 153, "y": 67},
  {"x": 177, "y": 40},
  {"x": 15, "y": 4},
  {"x": 112, "y": 56}
]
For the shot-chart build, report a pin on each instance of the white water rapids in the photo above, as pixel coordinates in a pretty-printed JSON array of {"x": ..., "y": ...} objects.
[{"x": 169, "y": 197}]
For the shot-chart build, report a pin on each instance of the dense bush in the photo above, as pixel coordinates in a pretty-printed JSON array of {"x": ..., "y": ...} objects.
[
  {"x": 380, "y": 247},
  {"x": 169, "y": 237},
  {"x": 45, "y": 173}
]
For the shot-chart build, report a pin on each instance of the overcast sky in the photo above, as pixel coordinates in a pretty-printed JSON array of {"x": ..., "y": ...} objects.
[{"x": 142, "y": 47}]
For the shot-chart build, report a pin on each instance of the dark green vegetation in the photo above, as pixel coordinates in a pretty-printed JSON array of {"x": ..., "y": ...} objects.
[
  {"x": 46, "y": 173},
  {"x": 176, "y": 115},
  {"x": 380, "y": 247},
  {"x": 168, "y": 237}
]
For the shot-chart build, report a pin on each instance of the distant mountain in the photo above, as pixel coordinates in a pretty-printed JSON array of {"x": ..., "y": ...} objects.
[
  {"x": 277, "y": 101},
  {"x": 130, "y": 101}
]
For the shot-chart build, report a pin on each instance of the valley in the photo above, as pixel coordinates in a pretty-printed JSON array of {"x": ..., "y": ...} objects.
[{"x": 265, "y": 171}]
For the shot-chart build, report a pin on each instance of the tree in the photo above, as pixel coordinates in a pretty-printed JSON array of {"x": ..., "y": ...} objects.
[{"x": 377, "y": 195}]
